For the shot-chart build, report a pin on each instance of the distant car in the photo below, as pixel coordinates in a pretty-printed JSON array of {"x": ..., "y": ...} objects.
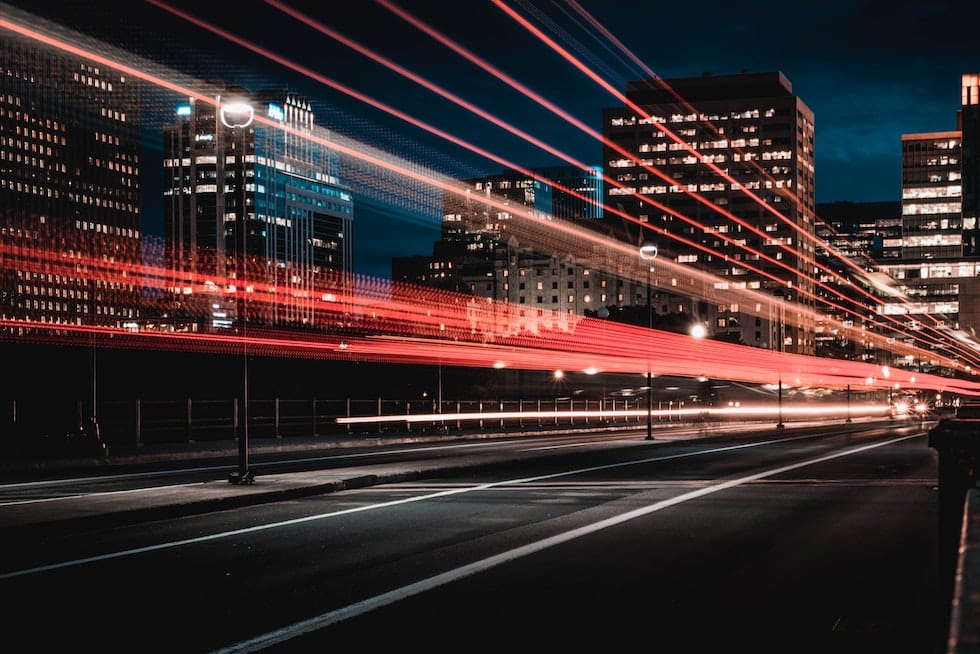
[{"x": 911, "y": 409}]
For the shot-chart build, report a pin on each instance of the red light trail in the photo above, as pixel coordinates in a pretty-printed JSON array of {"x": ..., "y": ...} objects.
[
  {"x": 485, "y": 332},
  {"x": 711, "y": 165},
  {"x": 898, "y": 325}
]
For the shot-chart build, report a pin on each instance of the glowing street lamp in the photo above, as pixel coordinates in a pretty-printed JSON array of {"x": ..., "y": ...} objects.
[{"x": 236, "y": 115}]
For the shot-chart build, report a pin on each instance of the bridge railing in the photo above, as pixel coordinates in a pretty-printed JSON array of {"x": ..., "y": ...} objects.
[
  {"x": 43, "y": 423},
  {"x": 46, "y": 427}
]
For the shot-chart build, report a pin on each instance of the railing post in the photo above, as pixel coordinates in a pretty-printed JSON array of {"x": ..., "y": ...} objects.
[
  {"x": 480, "y": 411},
  {"x": 234, "y": 416},
  {"x": 348, "y": 414},
  {"x": 586, "y": 412},
  {"x": 501, "y": 409},
  {"x": 408, "y": 412},
  {"x": 189, "y": 425},
  {"x": 520, "y": 411},
  {"x": 139, "y": 424},
  {"x": 458, "y": 423},
  {"x": 276, "y": 417},
  {"x": 556, "y": 411},
  {"x": 539, "y": 413},
  {"x": 379, "y": 415}
]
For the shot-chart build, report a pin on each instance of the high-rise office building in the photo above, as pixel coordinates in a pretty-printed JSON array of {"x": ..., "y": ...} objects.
[
  {"x": 932, "y": 197},
  {"x": 247, "y": 173},
  {"x": 665, "y": 149},
  {"x": 969, "y": 125},
  {"x": 940, "y": 253},
  {"x": 69, "y": 189}
]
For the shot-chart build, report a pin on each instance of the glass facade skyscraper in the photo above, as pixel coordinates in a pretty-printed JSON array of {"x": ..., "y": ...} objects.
[{"x": 267, "y": 188}]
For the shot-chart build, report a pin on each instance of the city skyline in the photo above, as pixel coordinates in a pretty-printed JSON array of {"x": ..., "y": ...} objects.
[
  {"x": 62, "y": 106},
  {"x": 861, "y": 109}
]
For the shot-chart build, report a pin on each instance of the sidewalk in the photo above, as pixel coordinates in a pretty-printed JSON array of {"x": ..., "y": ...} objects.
[{"x": 122, "y": 507}]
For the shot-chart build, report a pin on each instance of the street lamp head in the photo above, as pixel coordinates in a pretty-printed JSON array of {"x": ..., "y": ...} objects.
[
  {"x": 236, "y": 114},
  {"x": 698, "y": 331},
  {"x": 648, "y": 251}
]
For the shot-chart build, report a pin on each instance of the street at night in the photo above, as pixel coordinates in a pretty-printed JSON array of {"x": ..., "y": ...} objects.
[
  {"x": 809, "y": 539},
  {"x": 489, "y": 325}
]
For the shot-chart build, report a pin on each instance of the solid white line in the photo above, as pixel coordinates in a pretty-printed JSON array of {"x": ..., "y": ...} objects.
[
  {"x": 161, "y": 473},
  {"x": 98, "y": 494},
  {"x": 378, "y": 601},
  {"x": 370, "y": 507}
]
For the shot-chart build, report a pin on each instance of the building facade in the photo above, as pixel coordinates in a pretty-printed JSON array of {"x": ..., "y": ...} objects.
[
  {"x": 247, "y": 174},
  {"x": 685, "y": 156},
  {"x": 69, "y": 189},
  {"x": 940, "y": 253}
]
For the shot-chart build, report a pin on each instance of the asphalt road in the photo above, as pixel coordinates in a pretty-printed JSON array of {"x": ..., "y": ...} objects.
[{"x": 778, "y": 541}]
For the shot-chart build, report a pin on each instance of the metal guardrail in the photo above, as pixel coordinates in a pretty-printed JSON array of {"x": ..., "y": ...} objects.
[
  {"x": 957, "y": 442},
  {"x": 964, "y": 620},
  {"x": 138, "y": 422}
]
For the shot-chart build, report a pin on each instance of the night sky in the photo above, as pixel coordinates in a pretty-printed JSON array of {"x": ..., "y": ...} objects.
[{"x": 870, "y": 71}]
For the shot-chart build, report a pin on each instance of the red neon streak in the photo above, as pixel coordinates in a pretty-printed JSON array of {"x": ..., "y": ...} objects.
[
  {"x": 129, "y": 70},
  {"x": 609, "y": 35},
  {"x": 611, "y": 181},
  {"x": 622, "y": 98},
  {"x": 423, "y": 82},
  {"x": 572, "y": 120},
  {"x": 673, "y": 360},
  {"x": 334, "y": 145},
  {"x": 421, "y": 307},
  {"x": 326, "y": 81}
]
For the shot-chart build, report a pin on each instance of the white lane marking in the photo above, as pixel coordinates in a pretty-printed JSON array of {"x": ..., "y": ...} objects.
[
  {"x": 587, "y": 443},
  {"x": 335, "y": 457},
  {"x": 99, "y": 494},
  {"x": 116, "y": 477},
  {"x": 378, "y": 601},
  {"x": 332, "y": 457},
  {"x": 370, "y": 507}
]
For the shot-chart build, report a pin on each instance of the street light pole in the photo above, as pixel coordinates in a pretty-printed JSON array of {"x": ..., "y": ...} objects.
[
  {"x": 779, "y": 334},
  {"x": 648, "y": 252},
  {"x": 236, "y": 116},
  {"x": 780, "y": 425}
]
